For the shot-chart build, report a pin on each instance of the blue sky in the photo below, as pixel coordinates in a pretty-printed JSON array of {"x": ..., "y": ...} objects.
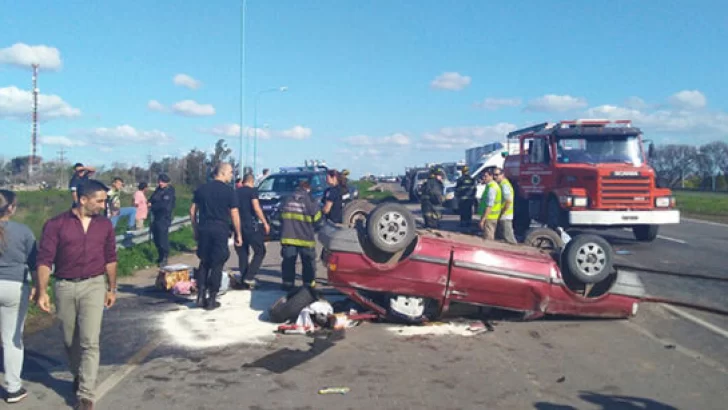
[{"x": 372, "y": 86}]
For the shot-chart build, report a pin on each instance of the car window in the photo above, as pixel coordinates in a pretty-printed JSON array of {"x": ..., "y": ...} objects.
[
  {"x": 318, "y": 182},
  {"x": 283, "y": 182}
]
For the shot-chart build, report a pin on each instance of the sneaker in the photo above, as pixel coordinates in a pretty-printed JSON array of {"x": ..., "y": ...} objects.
[
  {"x": 17, "y": 396},
  {"x": 76, "y": 384},
  {"x": 249, "y": 284}
]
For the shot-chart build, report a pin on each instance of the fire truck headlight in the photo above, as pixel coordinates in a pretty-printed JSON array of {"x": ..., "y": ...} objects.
[
  {"x": 663, "y": 201},
  {"x": 580, "y": 201}
]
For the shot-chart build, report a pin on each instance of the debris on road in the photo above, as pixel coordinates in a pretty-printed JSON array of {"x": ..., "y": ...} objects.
[
  {"x": 453, "y": 328},
  {"x": 561, "y": 379},
  {"x": 334, "y": 390}
]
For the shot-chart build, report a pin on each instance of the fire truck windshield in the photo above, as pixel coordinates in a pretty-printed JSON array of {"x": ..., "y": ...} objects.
[{"x": 603, "y": 149}]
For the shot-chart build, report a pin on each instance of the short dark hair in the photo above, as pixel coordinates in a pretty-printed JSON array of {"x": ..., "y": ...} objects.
[
  {"x": 248, "y": 177},
  {"x": 304, "y": 184},
  {"x": 78, "y": 164},
  {"x": 90, "y": 187},
  {"x": 142, "y": 185},
  {"x": 117, "y": 179},
  {"x": 219, "y": 167}
]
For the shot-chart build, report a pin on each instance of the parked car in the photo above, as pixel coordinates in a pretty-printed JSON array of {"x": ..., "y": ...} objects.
[{"x": 383, "y": 262}]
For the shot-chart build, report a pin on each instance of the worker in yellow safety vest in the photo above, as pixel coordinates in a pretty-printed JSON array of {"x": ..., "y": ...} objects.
[
  {"x": 490, "y": 206},
  {"x": 505, "y": 222}
]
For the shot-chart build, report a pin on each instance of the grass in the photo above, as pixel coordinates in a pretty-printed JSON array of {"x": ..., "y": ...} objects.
[
  {"x": 705, "y": 205},
  {"x": 374, "y": 196}
]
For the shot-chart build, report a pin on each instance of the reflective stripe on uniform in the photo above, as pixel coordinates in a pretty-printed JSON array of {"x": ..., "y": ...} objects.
[
  {"x": 298, "y": 242},
  {"x": 300, "y": 217}
]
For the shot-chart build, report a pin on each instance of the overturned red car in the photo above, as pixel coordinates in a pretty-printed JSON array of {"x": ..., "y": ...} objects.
[{"x": 383, "y": 262}]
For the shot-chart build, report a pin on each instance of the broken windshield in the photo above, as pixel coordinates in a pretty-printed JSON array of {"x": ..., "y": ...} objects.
[{"x": 599, "y": 150}]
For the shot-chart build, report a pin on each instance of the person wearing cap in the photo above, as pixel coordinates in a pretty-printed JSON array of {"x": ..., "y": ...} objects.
[
  {"x": 81, "y": 174},
  {"x": 465, "y": 193},
  {"x": 432, "y": 195},
  {"x": 162, "y": 204}
]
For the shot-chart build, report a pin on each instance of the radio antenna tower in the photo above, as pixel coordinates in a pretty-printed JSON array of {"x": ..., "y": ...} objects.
[{"x": 34, "y": 126}]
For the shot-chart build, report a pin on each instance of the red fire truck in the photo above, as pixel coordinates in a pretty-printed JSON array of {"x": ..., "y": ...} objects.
[{"x": 587, "y": 174}]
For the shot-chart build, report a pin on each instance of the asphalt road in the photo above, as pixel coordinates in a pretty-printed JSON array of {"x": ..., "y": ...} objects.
[{"x": 158, "y": 353}]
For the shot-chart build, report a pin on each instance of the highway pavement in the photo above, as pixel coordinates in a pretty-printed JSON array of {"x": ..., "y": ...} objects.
[{"x": 159, "y": 352}]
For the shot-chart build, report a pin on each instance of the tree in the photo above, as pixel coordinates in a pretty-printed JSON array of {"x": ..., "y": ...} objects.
[
  {"x": 195, "y": 166},
  {"x": 673, "y": 163}
]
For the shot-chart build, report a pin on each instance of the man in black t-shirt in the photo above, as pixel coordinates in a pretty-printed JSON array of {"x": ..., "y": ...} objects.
[
  {"x": 218, "y": 208},
  {"x": 333, "y": 203},
  {"x": 81, "y": 174},
  {"x": 254, "y": 226}
]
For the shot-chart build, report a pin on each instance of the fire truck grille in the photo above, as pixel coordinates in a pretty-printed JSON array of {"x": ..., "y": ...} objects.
[{"x": 625, "y": 192}]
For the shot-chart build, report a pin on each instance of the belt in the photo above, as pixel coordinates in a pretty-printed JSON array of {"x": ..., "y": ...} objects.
[{"x": 79, "y": 279}]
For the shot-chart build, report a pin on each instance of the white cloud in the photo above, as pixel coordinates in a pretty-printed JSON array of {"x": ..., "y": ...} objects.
[
  {"x": 636, "y": 103},
  {"x": 16, "y": 103},
  {"x": 184, "y": 80},
  {"x": 61, "y": 141},
  {"x": 23, "y": 55},
  {"x": 372, "y": 155},
  {"x": 451, "y": 81},
  {"x": 556, "y": 103},
  {"x": 296, "y": 133},
  {"x": 125, "y": 135},
  {"x": 190, "y": 108},
  {"x": 396, "y": 139},
  {"x": 493, "y": 104},
  {"x": 464, "y": 137},
  {"x": 688, "y": 99},
  {"x": 155, "y": 105}
]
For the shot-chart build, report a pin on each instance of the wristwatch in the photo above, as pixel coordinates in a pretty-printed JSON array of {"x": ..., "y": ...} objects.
[{"x": 112, "y": 290}]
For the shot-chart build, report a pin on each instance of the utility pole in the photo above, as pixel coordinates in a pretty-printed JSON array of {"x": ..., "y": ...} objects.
[
  {"x": 34, "y": 125},
  {"x": 149, "y": 164},
  {"x": 62, "y": 168}
]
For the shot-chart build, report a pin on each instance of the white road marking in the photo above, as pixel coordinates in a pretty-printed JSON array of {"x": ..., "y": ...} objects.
[
  {"x": 667, "y": 238},
  {"x": 699, "y": 221},
  {"x": 698, "y": 321}
]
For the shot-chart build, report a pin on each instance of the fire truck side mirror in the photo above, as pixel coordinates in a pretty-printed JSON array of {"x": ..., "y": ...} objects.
[{"x": 651, "y": 150}]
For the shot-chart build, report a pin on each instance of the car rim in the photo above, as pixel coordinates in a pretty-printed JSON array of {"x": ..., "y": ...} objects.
[
  {"x": 409, "y": 306},
  {"x": 356, "y": 216},
  {"x": 543, "y": 242},
  {"x": 392, "y": 228},
  {"x": 591, "y": 259}
]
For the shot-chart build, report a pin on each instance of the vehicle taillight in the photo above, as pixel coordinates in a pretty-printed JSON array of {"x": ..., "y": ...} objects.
[{"x": 333, "y": 263}]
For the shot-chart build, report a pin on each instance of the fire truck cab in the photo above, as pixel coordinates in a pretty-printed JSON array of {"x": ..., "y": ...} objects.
[{"x": 587, "y": 174}]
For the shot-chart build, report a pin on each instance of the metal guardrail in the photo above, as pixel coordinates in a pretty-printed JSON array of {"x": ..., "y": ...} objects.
[{"x": 132, "y": 238}]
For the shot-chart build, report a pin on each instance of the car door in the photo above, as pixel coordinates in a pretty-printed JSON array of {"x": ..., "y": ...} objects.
[{"x": 536, "y": 173}]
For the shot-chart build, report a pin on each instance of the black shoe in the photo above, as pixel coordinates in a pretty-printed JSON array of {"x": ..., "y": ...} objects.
[
  {"x": 212, "y": 302},
  {"x": 76, "y": 384},
  {"x": 15, "y": 397},
  {"x": 201, "y": 297},
  {"x": 286, "y": 286}
]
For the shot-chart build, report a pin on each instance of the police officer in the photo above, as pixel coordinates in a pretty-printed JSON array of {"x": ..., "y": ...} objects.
[
  {"x": 333, "y": 197},
  {"x": 505, "y": 222},
  {"x": 490, "y": 206},
  {"x": 431, "y": 195},
  {"x": 162, "y": 204},
  {"x": 218, "y": 210},
  {"x": 300, "y": 218},
  {"x": 465, "y": 193}
]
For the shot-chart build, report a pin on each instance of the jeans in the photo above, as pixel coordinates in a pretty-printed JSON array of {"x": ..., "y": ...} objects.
[
  {"x": 129, "y": 212},
  {"x": 13, "y": 308},
  {"x": 80, "y": 308},
  {"x": 254, "y": 239}
]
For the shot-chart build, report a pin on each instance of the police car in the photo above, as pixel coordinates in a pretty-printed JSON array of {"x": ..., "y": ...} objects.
[{"x": 277, "y": 186}]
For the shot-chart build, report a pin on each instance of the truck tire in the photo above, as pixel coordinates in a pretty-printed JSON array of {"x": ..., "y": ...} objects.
[
  {"x": 645, "y": 233},
  {"x": 588, "y": 258},
  {"x": 544, "y": 238},
  {"x": 390, "y": 227},
  {"x": 288, "y": 307},
  {"x": 356, "y": 210}
]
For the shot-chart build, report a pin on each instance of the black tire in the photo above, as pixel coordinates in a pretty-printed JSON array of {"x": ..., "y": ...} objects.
[
  {"x": 288, "y": 307},
  {"x": 356, "y": 209},
  {"x": 645, "y": 233},
  {"x": 588, "y": 258},
  {"x": 544, "y": 238},
  {"x": 391, "y": 227}
]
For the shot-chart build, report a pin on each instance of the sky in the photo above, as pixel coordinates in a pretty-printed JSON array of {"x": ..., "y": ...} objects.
[{"x": 371, "y": 86}]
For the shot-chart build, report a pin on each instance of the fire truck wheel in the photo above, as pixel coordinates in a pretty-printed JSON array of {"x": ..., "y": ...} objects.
[
  {"x": 544, "y": 238},
  {"x": 588, "y": 258},
  {"x": 645, "y": 233},
  {"x": 390, "y": 227},
  {"x": 355, "y": 210}
]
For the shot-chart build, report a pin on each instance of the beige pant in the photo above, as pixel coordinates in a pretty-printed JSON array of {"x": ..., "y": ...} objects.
[
  {"x": 80, "y": 308},
  {"x": 139, "y": 224},
  {"x": 489, "y": 230},
  {"x": 505, "y": 230}
]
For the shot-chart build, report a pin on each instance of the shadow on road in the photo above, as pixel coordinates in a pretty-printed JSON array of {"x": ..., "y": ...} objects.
[{"x": 609, "y": 402}]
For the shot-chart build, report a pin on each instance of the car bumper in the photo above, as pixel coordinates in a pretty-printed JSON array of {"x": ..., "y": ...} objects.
[{"x": 620, "y": 218}]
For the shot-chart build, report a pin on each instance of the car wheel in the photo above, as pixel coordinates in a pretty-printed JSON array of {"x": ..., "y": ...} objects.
[
  {"x": 645, "y": 233},
  {"x": 544, "y": 239},
  {"x": 588, "y": 258},
  {"x": 408, "y": 309},
  {"x": 390, "y": 227},
  {"x": 290, "y": 306},
  {"x": 356, "y": 210}
]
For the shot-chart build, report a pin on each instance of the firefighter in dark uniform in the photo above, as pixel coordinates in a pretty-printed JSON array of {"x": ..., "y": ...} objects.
[
  {"x": 431, "y": 196},
  {"x": 300, "y": 218},
  {"x": 162, "y": 205},
  {"x": 465, "y": 193}
]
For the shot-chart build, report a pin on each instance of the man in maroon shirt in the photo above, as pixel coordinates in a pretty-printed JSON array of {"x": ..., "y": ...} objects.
[{"x": 81, "y": 244}]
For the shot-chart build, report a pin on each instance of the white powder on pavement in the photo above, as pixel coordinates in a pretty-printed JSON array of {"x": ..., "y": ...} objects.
[
  {"x": 239, "y": 320},
  {"x": 434, "y": 329}
]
